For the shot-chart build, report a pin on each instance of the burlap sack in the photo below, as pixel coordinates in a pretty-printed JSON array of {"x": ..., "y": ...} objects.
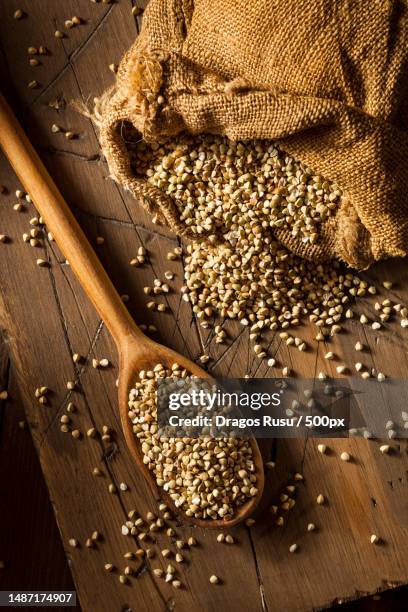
[{"x": 326, "y": 79}]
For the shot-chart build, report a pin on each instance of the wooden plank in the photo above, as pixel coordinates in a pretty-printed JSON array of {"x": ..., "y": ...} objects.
[
  {"x": 30, "y": 544},
  {"x": 48, "y": 318}
]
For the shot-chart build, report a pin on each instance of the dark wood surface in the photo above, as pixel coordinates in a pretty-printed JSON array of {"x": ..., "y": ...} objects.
[
  {"x": 46, "y": 318},
  {"x": 30, "y": 544}
]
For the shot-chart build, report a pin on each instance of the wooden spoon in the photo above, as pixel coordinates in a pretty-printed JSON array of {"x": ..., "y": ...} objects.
[{"x": 136, "y": 351}]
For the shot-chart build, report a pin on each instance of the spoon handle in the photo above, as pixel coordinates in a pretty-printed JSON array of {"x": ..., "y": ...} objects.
[{"x": 62, "y": 224}]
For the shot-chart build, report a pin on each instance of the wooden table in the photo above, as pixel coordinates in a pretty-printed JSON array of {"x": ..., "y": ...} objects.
[{"x": 46, "y": 318}]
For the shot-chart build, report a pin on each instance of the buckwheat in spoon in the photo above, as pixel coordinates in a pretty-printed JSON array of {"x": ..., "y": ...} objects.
[{"x": 210, "y": 482}]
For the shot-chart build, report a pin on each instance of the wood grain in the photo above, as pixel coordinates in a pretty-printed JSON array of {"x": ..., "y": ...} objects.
[
  {"x": 47, "y": 318},
  {"x": 30, "y": 549}
]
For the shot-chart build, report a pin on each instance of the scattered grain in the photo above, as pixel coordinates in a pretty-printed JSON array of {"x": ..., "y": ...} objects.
[{"x": 42, "y": 263}]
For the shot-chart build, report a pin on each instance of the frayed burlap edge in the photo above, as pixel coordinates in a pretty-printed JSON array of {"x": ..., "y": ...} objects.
[{"x": 137, "y": 102}]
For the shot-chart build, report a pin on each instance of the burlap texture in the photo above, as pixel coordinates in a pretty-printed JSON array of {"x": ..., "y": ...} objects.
[{"x": 327, "y": 80}]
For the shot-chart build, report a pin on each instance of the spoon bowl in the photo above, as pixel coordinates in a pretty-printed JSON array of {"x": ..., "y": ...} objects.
[{"x": 136, "y": 356}]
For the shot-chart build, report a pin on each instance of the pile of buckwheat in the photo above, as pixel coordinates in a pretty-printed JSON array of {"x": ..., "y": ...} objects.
[
  {"x": 248, "y": 186},
  {"x": 232, "y": 195},
  {"x": 207, "y": 478}
]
